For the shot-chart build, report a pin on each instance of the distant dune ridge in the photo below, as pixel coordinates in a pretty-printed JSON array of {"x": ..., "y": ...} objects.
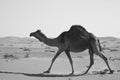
[
  {"x": 28, "y": 39},
  {"x": 106, "y": 42},
  {"x": 17, "y": 39}
]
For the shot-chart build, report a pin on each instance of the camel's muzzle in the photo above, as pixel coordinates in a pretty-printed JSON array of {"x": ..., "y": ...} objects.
[{"x": 31, "y": 34}]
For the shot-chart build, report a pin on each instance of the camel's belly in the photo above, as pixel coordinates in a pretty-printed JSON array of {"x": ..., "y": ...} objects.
[{"x": 78, "y": 47}]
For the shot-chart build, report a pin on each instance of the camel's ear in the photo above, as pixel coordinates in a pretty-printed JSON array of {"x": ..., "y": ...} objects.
[{"x": 38, "y": 30}]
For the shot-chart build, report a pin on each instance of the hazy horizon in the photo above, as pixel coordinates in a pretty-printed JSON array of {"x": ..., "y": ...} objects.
[
  {"x": 21, "y": 17},
  {"x": 52, "y": 37}
]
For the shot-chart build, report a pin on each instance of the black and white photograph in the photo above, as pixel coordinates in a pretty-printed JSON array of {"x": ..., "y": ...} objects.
[{"x": 59, "y": 39}]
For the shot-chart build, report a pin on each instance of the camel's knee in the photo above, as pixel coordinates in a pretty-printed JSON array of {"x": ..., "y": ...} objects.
[
  {"x": 54, "y": 59},
  {"x": 105, "y": 58},
  {"x": 101, "y": 55},
  {"x": 91, "y": 63}
]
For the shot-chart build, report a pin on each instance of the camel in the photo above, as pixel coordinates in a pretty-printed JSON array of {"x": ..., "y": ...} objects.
[{"x": 77, "y": 39}]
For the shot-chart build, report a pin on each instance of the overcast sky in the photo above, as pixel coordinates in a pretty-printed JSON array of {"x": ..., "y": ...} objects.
[{"x": 20, "y": 17}]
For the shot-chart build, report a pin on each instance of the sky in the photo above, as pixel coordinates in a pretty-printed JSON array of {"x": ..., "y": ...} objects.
[{"x": 21, "y": 17}]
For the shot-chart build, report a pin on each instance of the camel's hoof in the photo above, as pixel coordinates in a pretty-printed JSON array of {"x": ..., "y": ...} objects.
[
  {"x": 111, "y": 72},
  {"x": 46, "y": 72},
  {"x": 71, "y": 74}
]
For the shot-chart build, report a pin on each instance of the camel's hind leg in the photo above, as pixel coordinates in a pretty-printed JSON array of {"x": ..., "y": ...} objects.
[
  {"x": 95, "y": 49},
  {"x": 106, "y": 61}
]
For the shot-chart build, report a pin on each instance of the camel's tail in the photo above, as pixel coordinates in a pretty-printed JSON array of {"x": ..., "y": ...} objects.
[
  {"x": 100, "y": 48},
  {"x": 95, "y": 43}
]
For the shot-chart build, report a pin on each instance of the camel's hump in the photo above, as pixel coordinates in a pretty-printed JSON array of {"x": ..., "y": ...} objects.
[
  {"x": 79, "y": 30},
  {"x": 78, "y": 27}
]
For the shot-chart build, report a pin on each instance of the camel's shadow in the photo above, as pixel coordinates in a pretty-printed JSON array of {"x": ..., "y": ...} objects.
[
  {"x": 41, "y": 74},
  {"x": 56, "y": 75}
]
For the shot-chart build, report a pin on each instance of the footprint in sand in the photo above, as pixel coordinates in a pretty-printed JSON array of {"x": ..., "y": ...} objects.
[{"x": 100, "y": 72}]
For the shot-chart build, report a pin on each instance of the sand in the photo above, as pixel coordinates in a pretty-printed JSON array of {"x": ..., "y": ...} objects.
[{"x": 20, "y": 56}]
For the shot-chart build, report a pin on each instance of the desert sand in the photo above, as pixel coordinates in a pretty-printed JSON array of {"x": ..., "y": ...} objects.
[{"x": 26, "y": 58}]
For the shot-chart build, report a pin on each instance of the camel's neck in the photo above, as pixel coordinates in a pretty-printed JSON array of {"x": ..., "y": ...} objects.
[{"x": 50, "y": 42}]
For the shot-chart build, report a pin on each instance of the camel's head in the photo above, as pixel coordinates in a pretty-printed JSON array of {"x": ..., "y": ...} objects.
[{"x": 37, "y": 34}]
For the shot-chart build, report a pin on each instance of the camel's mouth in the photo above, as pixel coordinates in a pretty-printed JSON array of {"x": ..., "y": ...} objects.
[{"x": 31, "y": 34}]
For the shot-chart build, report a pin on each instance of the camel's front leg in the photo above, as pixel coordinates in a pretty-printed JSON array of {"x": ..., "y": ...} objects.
[
  {"x": 70, "y": 59},
  {"x": 54, "y": 58}
]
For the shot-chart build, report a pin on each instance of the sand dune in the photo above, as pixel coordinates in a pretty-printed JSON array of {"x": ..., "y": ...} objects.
[{"x": 28, "y": 55}]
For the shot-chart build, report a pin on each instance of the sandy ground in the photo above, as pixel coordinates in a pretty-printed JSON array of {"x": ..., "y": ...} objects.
[{"x": 26, "y": 55}]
